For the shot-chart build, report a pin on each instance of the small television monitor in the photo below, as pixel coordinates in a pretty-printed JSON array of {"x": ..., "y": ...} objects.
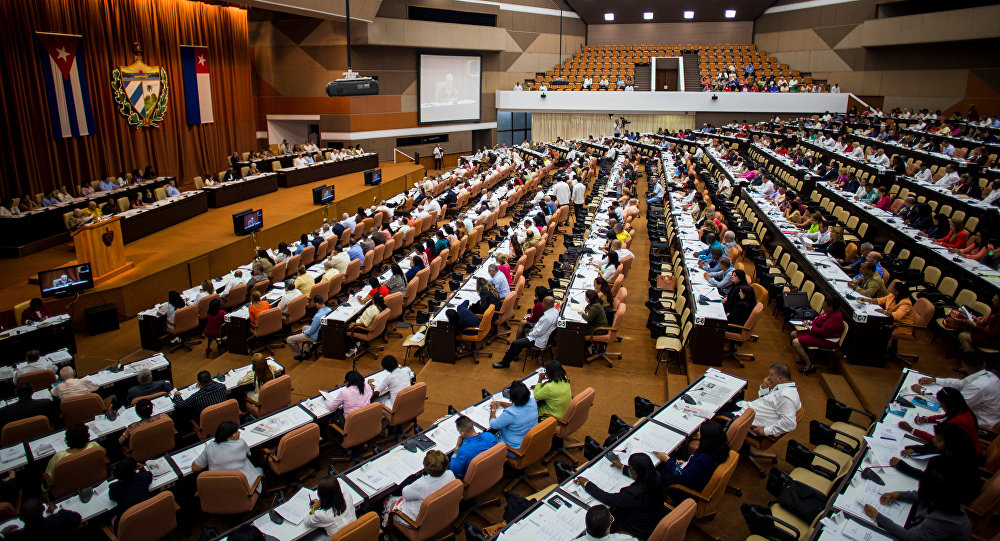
[
  {"x": 247, "y": 221},
  {"x": 323, "y": 195},
  {"x": 65, "y": 281},
  {"x": 373, "y": 177}
]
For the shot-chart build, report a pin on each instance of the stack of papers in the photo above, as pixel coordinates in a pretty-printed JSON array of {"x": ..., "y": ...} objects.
[{"x": 296, "y": 509}]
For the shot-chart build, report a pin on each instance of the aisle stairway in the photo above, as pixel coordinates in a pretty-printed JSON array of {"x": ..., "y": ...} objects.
[
  {"x": 692, "y": 75},
  {"x": 642, "y": 77}
]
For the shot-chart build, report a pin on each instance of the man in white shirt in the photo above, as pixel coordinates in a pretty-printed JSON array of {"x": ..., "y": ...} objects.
[
  {"x": 981, "y": 389},
  {"x": 857, "y": 152},
  {"x": 950, "y": 177},
  {"x": 777, "y": 403},
  {"x": 299, "y": 161},
  {"x": 290, "y": 294},
  {"x": 398, "y": 379},
  {"x": 538, "y": 336},
  {"x": 34, "y": 364},
  {"x": 924, "y": 174},
  {"x": 588, "y": 82},
  {"x": 879, "y": 158},
  {"x": 994, "y": 194},
  {"x": 348, "y": 222},
  {"x": 560, "y": 190},
  {"x": 518, "y": 87},
  {"x": 432, "y": 206},
  {"x": 237, "y": 278},
  {"x": 835, "y": 89},
  {"x": 438, "y": 157},
  {"x": 768, "y": 188}
]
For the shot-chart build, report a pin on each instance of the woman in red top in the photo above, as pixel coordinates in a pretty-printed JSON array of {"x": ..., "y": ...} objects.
[
  {"x": 377, "y": 288},
  {"x": 956, "y": 412},
  {"x": 213, "y": 324},
  {"x": 35, "y": 312},
  {"x": 825, "y": 327},
  {"x": 957, "y": 237},
  {"x": 536, "y": 312},
  {"x": 884, "y": 199}
]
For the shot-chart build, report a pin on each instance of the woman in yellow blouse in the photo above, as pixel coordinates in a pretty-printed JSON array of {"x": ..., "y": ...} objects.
[{"x": 897, "y": 305}]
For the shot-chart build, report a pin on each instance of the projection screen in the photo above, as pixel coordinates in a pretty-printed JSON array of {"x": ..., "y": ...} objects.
[{"x": 450, "y": 88}]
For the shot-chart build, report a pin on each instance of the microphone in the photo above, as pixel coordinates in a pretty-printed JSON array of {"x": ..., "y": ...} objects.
[{"x": 868, "y": 475}]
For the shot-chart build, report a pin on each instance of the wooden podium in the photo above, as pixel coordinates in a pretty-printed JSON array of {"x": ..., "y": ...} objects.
[{"x": 100, "y": 244}]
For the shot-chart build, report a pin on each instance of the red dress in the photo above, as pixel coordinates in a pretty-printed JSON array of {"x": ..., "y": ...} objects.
[
  {"x": 213, "y": 324},
  {"x": 824, "y": 326}
]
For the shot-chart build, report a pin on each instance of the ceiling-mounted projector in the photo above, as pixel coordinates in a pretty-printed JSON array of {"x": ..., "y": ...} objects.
[{"x": 353, "y": 84}]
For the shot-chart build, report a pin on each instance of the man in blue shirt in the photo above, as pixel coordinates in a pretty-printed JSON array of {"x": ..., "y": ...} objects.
[
  {"x": 499, "y": 281},
  {"x": 518, "y": 417},
  {"x": 310, "y": 335},
  {"x": 356, "y": 252},
  {"x": 172, "y": 189},
  {"x": 713, "y": 242},
  {"x": 107, "y": 185},
  {"x": 470, "y": 445}
]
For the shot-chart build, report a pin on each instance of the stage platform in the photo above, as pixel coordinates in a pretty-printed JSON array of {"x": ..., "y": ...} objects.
[{"x": 184, "y": 254}]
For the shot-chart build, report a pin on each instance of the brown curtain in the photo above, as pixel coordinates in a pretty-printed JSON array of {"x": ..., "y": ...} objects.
[{"x": 35, "y": 161}]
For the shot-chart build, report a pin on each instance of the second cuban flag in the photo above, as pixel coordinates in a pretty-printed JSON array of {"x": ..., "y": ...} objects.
[{"x": 197, "y": 84}]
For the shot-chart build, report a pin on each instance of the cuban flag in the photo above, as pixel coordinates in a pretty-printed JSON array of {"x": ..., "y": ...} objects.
[
  {"x": 65, "y": 76},
  {"x": 197, "y": 84}
]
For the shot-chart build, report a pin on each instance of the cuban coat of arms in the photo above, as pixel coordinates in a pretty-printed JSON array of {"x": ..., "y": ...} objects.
[{"x": 141, "y": 92}]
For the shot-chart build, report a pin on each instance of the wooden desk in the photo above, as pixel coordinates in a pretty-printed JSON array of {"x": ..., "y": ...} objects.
[{"x": 241, "y": 190}]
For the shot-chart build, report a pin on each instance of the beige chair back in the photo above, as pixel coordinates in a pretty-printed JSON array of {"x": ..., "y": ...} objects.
[
  {"x": 216, "y": 414},
  {"x": 24, "y": 430},
  {"x": 273, "y": 396},
  {"x": 675, "y": 524},
  {"x": 484, "y": 471},
  {"x": 576, "y": 413},
  {"x": 296, "y": 449},
  {"x": 362, "y": 425},
  {"x": 152, "y": 440},
  {"x": 150, "y": 520},
  {"x": 409, "y": 404}
]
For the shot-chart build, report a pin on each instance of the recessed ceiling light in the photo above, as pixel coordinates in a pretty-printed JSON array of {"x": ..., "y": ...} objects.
[
  {"x": 609, "y": 16},
  {"x": 730, "y": 13},
  {"x": 689, "y": 15},
  {"x": 648, "y": 15}
]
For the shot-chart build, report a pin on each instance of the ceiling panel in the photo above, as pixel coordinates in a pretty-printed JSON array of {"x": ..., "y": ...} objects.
[{"x": 671, "y": 11}]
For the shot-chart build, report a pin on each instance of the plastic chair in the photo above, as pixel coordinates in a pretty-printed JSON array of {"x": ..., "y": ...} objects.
[
  {"x": 83, "y": 408},
  {"x": 227, "y": 492},
  {"x": 214, "y": 415},
  {"x": 268, "y": 324},
  {"x": 360, "y": 427},
  {"x": 365, "y": 528},
  {"x": 273, "y": 395},
  {"x": 409, "y": 404},
  {"x": 483, "y": 473},
  {"x": 151, "y": 440},
  {"x": 24, "y": 430},
  {"x": 186, "y": 321},
  {"x": 369, "y": 335},
  {"x": 78, "y": 470},
  {"x": 609, "y": 336},
  {"x": 576, "y": 416},
  {"x": 476, "y": 335},
  {"x": 534, "y": 446},
  {"x": 150, "y": 520},
  {"x": 740, "y": 334},
  {"x": 437, "y": 512}
]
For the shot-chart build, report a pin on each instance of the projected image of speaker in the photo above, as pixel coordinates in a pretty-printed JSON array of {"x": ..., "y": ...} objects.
[
  {"x": 449, "y": 88},
  {"x": 65, "y": 281},
  {"x": 247, "y": 221},
  {"x": 323, "y": 195},
  {"x": 373, "y": 177}
]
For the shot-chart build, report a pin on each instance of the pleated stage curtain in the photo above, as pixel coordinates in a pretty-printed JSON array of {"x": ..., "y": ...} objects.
[
  {"x": 36, "y": 161},
  {"x": 548, "y": 126}
]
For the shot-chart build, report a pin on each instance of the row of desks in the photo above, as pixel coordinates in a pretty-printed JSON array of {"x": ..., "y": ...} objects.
[
  {"x": 844, "y": 515},
  {"x": 561, "y": 514},
  {"x": 53, "y": 334},
  {"x": 370, "y": 481},
  {"x": 35, "y": 225}
]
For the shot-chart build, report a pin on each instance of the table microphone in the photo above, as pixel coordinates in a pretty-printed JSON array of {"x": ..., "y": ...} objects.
[
  {"x": 902, "y": 401},
  {"x": 868, "y": 475}
]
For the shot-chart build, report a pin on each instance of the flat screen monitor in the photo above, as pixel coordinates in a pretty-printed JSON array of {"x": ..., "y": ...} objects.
[
  {"x": 65, "y": 281},
  {"x": 373, "y": 177},
  {"x": 248, "y": 221},
  {"x": 323, "y": 195},
  {"x": 450, "y": 87}
]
